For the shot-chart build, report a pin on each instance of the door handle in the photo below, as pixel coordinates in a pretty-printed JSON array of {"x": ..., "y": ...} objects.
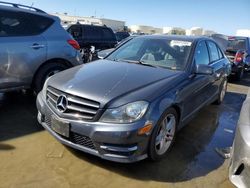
[{"x": 37, "y": 46}]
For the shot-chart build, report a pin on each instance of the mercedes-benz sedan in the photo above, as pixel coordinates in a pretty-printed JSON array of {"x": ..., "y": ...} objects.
[{"x": 130, "y": 105}]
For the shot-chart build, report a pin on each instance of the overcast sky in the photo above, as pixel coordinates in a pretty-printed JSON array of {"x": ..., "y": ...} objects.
[{"x": 223, "y": 16}]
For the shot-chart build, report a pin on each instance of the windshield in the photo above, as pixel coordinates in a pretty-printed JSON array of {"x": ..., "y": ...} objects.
[
  {"x": 236, "y": 44},
  {"x": 166, "y": 53}
]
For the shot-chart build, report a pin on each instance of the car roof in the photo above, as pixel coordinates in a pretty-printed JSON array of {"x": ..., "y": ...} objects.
[
  {"x": 236, "y": 37},
  {"x": 176, "y": 37},
  {"x": 16, "y": 9},
  {"x": 89, "y": 25},
  {"x": 23, "y": 8}
]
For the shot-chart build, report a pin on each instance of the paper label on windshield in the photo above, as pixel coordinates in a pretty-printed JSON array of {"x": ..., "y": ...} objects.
[{"x": 180, "y": 43}]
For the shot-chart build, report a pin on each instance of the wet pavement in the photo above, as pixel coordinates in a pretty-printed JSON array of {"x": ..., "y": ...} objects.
[{"x": 30, "y": 157}]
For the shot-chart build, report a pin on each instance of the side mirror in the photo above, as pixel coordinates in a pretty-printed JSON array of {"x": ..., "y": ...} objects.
[{"x": 204, "y": 69}]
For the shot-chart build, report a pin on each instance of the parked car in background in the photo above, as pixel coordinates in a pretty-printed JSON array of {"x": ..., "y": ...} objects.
[
  {"x": 129, "y": 106},
  {"x": 103, "y": 53},
  {"x": 221, "y": 40},
  {"x": 239, "y": 171},
  {"x": 121, "y": 35},
  {"x": 33, "y": 47},
  {"x": 238, "y": 52},
  {"x": 88, "y": 36}
]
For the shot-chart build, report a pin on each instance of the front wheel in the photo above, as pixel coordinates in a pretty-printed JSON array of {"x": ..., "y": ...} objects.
[
  {"x": 163, "y": 135},
  {"x": 45, "y": 72}
]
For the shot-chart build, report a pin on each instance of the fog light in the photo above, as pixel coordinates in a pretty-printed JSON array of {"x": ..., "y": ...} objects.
[{"x": 146, "y": 129}]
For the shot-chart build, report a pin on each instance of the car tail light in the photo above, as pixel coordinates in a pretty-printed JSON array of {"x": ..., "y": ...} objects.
[
  {"x": 74, "y": 44},
  {"x": 239, "y": 57}
]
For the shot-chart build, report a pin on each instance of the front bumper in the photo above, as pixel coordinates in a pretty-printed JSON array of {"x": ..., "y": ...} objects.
[
  {"x": 115, "y": 142},
  {"x": 239, "y": 171}
]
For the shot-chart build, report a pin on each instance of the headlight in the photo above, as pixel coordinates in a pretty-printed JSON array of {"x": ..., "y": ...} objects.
[
  {"x": 125, "y": 114},
  {"x": 45, "y": 87}
]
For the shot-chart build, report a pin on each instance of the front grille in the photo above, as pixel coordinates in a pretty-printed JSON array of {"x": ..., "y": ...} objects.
[
  {"x": 47, "y": 118},
  {"x": 77, "y": 107},
  {"x": 81, "y": 140}
]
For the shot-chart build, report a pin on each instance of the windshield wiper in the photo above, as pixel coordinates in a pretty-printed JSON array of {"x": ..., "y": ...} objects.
[{"x": 135, "y": 62}]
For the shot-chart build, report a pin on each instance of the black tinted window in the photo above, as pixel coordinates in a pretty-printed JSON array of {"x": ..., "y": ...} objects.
[
  {"x": 75, "y": 31},
  {"x": 92, "y": 32},
  {"x": 236, "y": 44},
  {"x": 22, "y": 24},
  {"x": 214, "y": 55},
  {"x": 107, "y": 34},
  {"x": 201, "y": 54}
]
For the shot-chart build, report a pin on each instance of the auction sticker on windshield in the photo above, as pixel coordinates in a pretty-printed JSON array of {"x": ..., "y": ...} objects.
[{"x": 180, "y": 43}]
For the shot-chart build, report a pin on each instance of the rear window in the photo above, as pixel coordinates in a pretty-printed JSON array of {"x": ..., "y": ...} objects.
[
  {"x": 236, "y": 44},
  {"x": 214, "y": 54},
  {"x": 107, "y": 34},
  {"x": 22, "y": 24}
]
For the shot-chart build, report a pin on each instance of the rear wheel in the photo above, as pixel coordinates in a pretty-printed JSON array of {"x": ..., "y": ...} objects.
[
  {"x": 45, "y": 72},
  {"x": 163, "y": 135},
  {"x": 223, "y": 90}
]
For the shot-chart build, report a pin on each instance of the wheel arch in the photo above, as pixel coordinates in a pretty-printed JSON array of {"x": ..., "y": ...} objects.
[
  {"x": 57, "y": 60},
  {"x": 178, "y": 110}
]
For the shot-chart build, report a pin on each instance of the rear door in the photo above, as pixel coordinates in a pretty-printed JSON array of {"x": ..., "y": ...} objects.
[
  {"x": 21, "y": 47},
  {"x": 218, "y": 62}
]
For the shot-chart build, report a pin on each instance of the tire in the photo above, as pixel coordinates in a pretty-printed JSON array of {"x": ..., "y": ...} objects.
[
  {"x": 223, "y": 90},
  {"x": 155, "y": 151},
  {"x": 239, "y": 75},
  {"x": 45, "y": 72}
]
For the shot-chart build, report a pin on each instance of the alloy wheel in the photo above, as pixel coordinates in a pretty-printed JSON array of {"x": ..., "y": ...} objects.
[{"x": 165, "y": 134}]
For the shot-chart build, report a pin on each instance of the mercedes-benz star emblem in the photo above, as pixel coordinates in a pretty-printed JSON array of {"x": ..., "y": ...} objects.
[{"x": 62, "y": 103}]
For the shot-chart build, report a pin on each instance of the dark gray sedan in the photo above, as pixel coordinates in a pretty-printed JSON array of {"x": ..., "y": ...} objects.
[{"x": 130, "y": 105}]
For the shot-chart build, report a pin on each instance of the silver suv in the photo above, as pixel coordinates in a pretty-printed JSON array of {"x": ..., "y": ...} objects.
[{"x": 33, "y": 46}]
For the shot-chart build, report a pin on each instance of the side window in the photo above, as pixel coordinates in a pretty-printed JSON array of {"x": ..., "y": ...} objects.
[
  {"x": 220, "y": 53},
  {"x": 76, "y": 32},
  {"x": 92, "y": 33},
  {"x": 214, "y": 55},
  {"x": 86, "y": 32},
  {"x": 22, "y": 24},
  {"x": 107, "y": 34},
  {"x": 201, "y": 54}
]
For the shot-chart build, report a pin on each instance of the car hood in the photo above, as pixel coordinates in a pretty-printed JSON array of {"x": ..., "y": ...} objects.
[{"x": 104, "y": 80}]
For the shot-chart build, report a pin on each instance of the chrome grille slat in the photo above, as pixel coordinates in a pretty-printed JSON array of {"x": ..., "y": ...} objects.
[
  {"x": 77, "y": 107},
  {"x": 80, "y": 116},
  {"x": 84, "y": 110},
  {"x": 82, "y": 102},
  {"x": 51, "y": 98},
  {"x": 53, "y": 92}
]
